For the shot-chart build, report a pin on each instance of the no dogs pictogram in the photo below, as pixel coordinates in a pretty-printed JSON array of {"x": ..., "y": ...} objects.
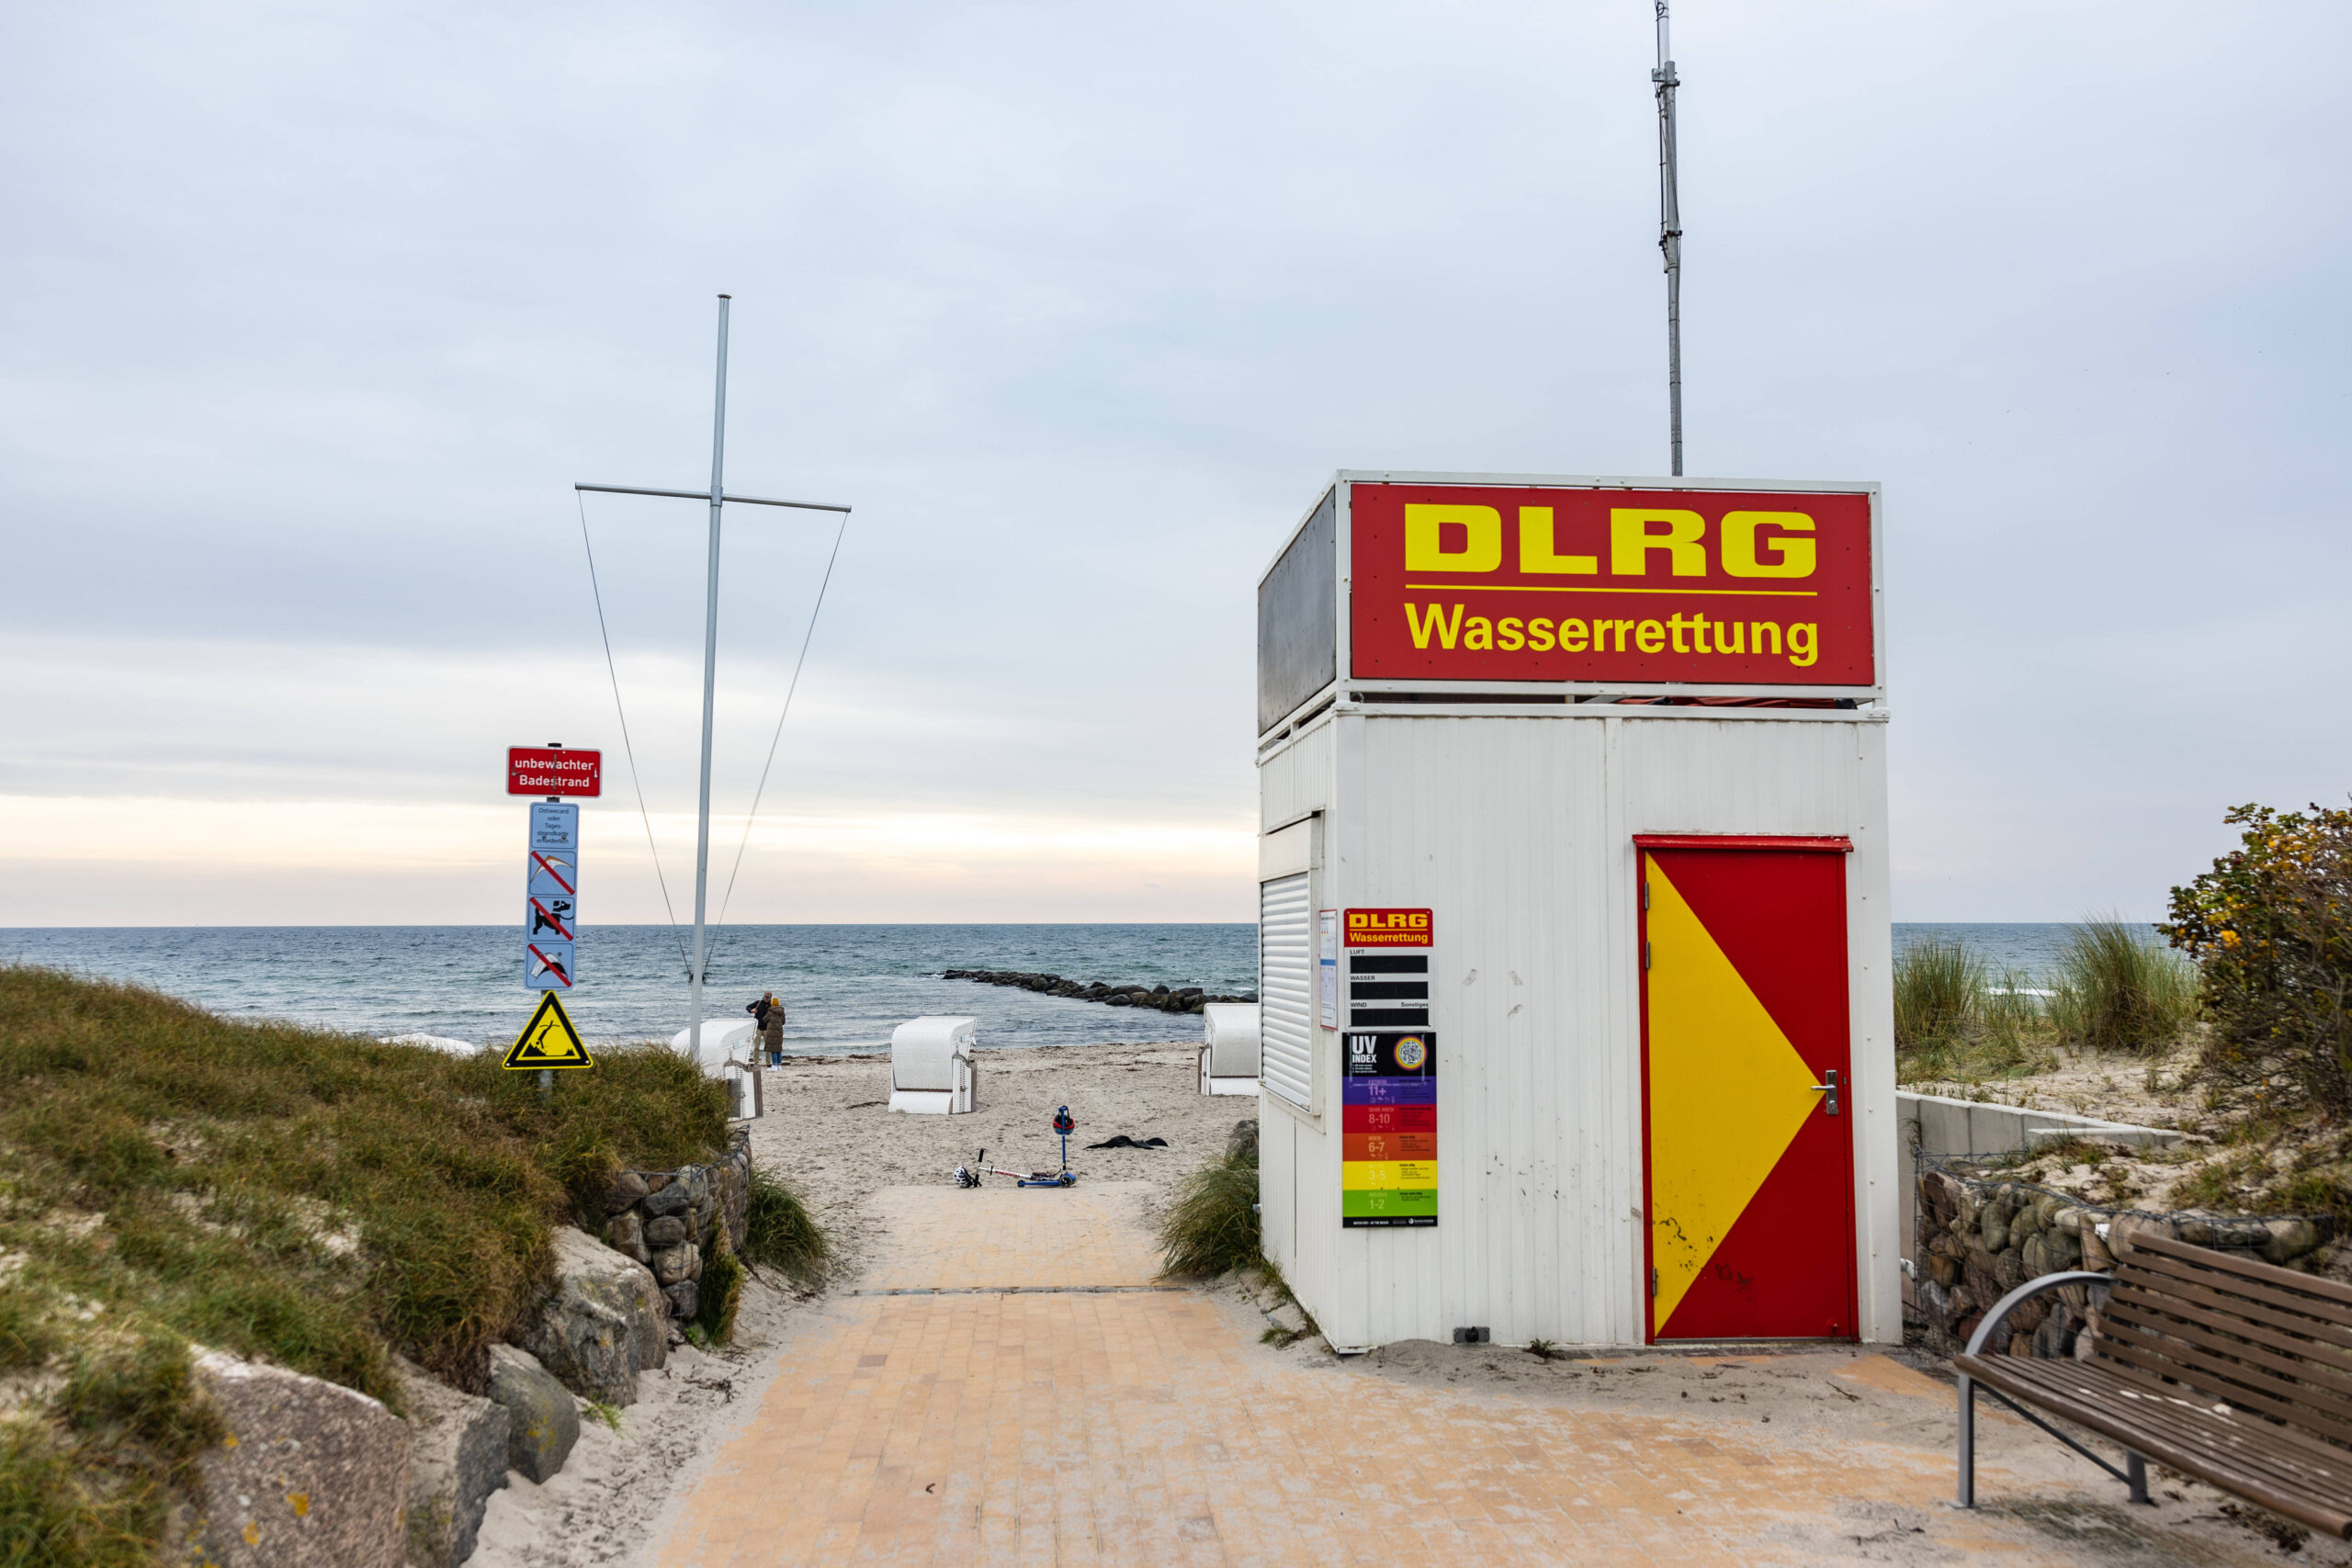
[{"x": 547, "y": 1040}]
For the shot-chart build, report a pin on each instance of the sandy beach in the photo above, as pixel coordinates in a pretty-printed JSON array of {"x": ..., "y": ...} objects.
[{"x": 826, "y": 1130}]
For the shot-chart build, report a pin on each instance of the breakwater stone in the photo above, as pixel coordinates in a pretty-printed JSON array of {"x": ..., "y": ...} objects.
[{"x": 1182, "y": 998}]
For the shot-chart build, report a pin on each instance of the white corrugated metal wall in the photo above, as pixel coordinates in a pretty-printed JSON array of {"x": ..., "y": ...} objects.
[
  {"x": 1518, "y": 831},
  {"x": 1293, "y": 783}
]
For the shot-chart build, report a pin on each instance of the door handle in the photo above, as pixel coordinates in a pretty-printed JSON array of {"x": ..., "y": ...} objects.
[{"x": 1829, "y": 1106}]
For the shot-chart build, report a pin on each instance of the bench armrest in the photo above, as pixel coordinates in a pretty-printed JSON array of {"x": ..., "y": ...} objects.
[{"x": 1999, "y": 1314}]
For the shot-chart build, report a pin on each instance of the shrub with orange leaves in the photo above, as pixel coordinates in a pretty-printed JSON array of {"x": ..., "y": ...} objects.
[{"x": 2270, "y": 927}]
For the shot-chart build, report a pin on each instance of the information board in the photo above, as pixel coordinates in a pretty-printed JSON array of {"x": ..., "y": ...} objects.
[
  {"x": 1388, "y": 1130},
  {"x": 551, "y": 896}
]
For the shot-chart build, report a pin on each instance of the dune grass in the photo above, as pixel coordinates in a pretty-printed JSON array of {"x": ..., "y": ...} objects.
[
  {"x": 1957, "y": 1020},
  {"x": 309, "y": 1199},
  {"x": 2120, "y": 989},
  {"x": 1938, "y": 991},
  {"x": 2115, "y": 990},
  {"x": 779, "y": 1233},
  {"x": 1212, "y": 1227}
]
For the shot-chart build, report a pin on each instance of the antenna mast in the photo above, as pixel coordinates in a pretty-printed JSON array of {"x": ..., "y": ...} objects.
[{"x": 1669, "y": 233}]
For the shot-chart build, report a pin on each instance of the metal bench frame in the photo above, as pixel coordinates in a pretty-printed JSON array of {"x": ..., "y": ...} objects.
[
  {"x": 2235, "y": 1372},
  {"x": 2135, "y": 1471}
]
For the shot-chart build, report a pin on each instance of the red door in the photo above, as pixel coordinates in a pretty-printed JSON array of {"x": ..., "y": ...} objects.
[{"x": 1747, "y": 1089}]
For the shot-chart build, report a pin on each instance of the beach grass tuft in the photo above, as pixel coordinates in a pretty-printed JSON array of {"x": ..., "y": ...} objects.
[
  {"x": 1212, "y": 1227},
  {"x": 720, "y": 1291},
  {"x": 2120, "y": 989},
  {"x": 1938, "y": 991},
  {"x": 779, "y": 1233}
]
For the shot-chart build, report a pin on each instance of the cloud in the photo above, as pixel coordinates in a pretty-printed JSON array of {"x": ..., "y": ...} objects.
[{"x": 309, "y": 319}]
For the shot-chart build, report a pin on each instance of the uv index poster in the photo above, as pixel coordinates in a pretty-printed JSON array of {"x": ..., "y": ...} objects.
[{"x": 1388, "y": 1130}]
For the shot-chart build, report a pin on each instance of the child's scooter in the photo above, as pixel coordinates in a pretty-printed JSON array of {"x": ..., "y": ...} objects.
[{"x": 966, "y": 1177}]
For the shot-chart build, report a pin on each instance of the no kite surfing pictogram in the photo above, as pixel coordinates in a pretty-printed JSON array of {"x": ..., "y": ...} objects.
[{"x": 548, "y": 1041}]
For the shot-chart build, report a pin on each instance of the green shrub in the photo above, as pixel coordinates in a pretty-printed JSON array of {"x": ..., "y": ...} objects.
[
  {"x": 1939, "y": 991},
  {"x": 2119, "y": 989},
  {"x": 2271, "y": 929},
  {"x": 1212, "y": 1227},
  {"x": 779, "y": 1233}
]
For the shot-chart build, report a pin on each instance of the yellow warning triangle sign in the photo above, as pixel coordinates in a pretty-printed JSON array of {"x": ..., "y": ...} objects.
[{"x": 547, "y": 1040}]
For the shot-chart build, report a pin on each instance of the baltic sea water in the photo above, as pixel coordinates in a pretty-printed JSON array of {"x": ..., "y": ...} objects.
[{"x": 845, "y": 987}]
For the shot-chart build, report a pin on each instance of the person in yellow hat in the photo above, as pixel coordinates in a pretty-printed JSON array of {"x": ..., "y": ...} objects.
[{"x": 768, "y": 1014}]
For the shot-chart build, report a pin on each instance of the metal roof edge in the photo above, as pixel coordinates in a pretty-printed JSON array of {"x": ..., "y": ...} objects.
[{"x": 1597, "y": 481}]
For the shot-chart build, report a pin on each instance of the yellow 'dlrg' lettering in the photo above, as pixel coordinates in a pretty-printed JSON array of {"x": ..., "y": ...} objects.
[
  {"x": 1792, "y": 558},
  {"x": 1536, "y": 556},
  {"x": 1631, "y": 541},
  {"x": 1425, "y": 550}
]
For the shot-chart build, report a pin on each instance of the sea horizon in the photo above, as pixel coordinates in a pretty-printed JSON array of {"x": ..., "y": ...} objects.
[{"x": 845, "y": 984}]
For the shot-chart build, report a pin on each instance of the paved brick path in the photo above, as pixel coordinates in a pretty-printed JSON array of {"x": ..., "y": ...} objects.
[{"x": 1025, "y": 1393}]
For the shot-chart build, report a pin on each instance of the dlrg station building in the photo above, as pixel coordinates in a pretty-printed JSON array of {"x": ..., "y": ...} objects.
[{"x": 1574, "y": 944}]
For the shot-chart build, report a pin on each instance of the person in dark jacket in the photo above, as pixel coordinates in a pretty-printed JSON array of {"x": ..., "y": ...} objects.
[{"x": 768, "y": 1014}]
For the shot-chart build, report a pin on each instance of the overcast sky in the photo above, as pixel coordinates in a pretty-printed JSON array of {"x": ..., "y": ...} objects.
[{"x": 310, "y": 316}]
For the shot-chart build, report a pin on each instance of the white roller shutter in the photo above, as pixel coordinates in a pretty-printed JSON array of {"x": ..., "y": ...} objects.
[{"x": 1285, "y": 995}]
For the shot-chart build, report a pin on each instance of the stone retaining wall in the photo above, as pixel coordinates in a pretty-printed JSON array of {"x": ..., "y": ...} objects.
[
  {"x": 668, "y": 1220},
  {"x": 1980, "y": 1237}
]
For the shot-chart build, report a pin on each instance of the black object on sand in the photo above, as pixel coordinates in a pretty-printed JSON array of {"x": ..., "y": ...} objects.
[{"x": 1121, "y": 1141}]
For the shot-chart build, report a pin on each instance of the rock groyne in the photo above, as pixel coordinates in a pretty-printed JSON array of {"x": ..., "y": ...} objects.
[{"x": 1184, "y": 999}]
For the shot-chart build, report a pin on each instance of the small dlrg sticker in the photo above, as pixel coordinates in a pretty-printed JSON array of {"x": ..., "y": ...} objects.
[{"x": 1391, "y": 928}]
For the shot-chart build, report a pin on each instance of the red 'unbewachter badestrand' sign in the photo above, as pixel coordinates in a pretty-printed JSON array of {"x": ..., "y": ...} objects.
[
  {"x": 1459, "y": 582},
  {"x": 541, "y": 769}
]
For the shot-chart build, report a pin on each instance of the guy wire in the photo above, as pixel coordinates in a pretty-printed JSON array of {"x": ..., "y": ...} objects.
[
  {"x": 627, "y": 750},
  {"x": 806, "y": 636}
]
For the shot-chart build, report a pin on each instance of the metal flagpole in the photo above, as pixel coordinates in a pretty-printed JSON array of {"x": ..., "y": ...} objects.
[
  {"x": 717, "y": 497},
  {"x": 710, "y": 671},
  {"x": 1669, "y": 233}
]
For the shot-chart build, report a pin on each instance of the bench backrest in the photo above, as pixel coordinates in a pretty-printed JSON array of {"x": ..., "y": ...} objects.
[{"x": 2265, "y": 1339}]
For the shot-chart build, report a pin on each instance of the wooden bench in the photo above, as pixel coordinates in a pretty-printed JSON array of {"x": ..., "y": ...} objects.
[{"x": 2230, "y": 1371}]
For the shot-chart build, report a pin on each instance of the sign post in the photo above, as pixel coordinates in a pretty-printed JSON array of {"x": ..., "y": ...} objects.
[{"x": 551, "y": 900}]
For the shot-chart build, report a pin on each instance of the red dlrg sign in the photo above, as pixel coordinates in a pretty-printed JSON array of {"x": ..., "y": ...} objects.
[
  {"x": 539, "y": 770},
  {"x": 1389, "y": 927},
  {"x": 1561, "y": 583}
]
